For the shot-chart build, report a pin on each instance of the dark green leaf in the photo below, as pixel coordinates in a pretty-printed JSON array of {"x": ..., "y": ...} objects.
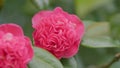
[{"x": 69, "y": 63}]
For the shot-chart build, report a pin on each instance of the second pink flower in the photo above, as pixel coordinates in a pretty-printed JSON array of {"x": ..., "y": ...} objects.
[{"x": 58, "y": 32}]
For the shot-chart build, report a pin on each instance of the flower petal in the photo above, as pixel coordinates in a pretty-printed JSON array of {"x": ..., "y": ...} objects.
[
  {"x": 12, "y": 28},
  {"x": 37, "y": 18},
  {"x": 72, "y": 50},
  {"x": 30, "y": 50}
]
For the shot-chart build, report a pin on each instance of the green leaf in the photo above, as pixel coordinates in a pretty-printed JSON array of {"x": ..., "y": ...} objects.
[
  {"x": 46, "y": 59},
  {"x": 116, "y": 65},
  {"x": 69, "y": 63},
  {"x": 41, "y": 4},
  {"x": 115, "y": 26},
  {"x": 30, "y": 8},
  {"x": 38, "y": 63},
  {"x": 83, "y": 7},
  {"x": 94, "y": 29},
  {"x": 98, "y": 35},
  {"x": 99, "y": 42},
  {"x": 79, "y": 61}
]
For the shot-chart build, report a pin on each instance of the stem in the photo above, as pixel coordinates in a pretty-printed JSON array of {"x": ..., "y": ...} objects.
[{"x": 115, "y": 59}]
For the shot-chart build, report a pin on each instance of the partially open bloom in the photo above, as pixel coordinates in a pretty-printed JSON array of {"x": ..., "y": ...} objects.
[
  {"x": 58, "y": 32},
  {"x": 15, "y": 48}
]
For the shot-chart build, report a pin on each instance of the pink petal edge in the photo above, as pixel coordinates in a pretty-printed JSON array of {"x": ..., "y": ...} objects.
[
  {"x": 15, "y": 29},
  {"x": 38, "y": 16},
  {"x": 30, "y": 49}
]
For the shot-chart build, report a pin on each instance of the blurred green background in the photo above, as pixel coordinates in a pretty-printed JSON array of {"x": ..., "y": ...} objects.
[{"x": 101, "y": 18}]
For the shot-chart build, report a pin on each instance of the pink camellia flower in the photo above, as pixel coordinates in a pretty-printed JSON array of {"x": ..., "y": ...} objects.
[
  {"x": 58, "y": 32},
  {"x": 15, "y": 48}
]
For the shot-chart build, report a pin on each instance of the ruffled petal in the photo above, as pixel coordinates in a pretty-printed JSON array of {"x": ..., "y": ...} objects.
[
  {"x": 12, "y": 28},
  {"x": 38, "y": 17},
  {"x": 71, "y": 52},
  {"x": 58, "y": 9}
]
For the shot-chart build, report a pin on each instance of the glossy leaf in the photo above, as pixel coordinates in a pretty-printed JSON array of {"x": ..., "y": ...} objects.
[
  {"x": 38, "y": 63},
  {"x": 116, "y": 65},
  {"x": 45, "y": 58},
  {"x": 99, "y": 42},
  {"x": 69, "y": 63},
  {"x": 41, "y": 4},
  {"x": 115, "y": 26},
  {"x": 79, "y": 61},
  {"x": 98, "y": 35}
]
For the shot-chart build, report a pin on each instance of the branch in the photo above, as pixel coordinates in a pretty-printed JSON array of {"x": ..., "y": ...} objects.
[{"x": 115, "y": 59}]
